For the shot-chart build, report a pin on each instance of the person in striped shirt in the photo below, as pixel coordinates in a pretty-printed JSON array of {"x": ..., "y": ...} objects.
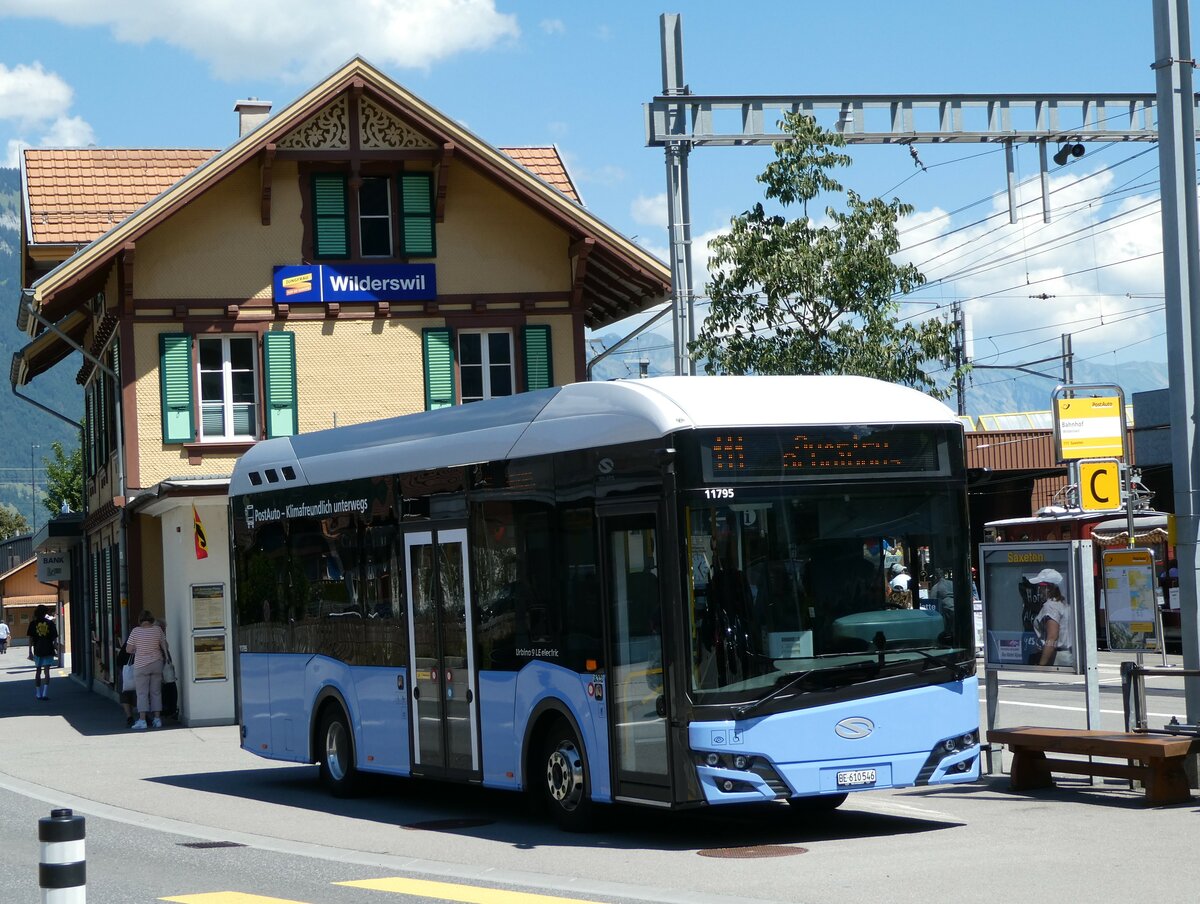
[{"x": 148, "y": 644}]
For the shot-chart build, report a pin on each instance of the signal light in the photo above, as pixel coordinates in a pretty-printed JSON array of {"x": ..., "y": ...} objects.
[{"x": 1068, "y": 150}]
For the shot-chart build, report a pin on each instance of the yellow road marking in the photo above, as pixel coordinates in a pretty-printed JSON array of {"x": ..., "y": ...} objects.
[
  {"x": 228, "y": 897},
  {"x": 447, "y": 891}
]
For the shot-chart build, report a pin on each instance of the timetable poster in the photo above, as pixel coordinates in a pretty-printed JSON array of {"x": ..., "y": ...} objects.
[{"x": 1130, "y": 600}]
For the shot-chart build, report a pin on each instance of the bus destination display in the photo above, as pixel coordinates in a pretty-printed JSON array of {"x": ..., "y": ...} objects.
[{"x": 775, "y": 454}]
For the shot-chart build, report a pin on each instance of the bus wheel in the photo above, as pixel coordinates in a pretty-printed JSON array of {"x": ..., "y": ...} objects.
[
  {"x": 821, "y": 803},
  {"x": 336, "y": 751},
  {"x": 565, "y": 786}
]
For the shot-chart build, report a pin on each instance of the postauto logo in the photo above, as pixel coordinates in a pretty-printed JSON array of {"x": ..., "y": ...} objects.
[{"x": 855, "y": 728}]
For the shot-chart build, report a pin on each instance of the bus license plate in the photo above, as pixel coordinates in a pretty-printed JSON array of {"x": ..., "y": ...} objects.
[{"x": 855, "y": 777}]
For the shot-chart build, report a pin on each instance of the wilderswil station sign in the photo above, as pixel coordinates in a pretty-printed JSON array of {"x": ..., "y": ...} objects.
[{"x": 322, "y": 283}]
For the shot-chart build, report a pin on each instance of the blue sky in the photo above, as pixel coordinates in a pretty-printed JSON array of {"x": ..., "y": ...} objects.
[{"x": 161, "y": 73}]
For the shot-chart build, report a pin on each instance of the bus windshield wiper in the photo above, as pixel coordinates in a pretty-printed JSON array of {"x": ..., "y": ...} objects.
[
  {"x": 957, "y": 669},
  {"x": 743, "y": 710}
]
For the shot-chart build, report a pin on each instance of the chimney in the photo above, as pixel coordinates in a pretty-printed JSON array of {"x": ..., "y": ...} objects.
[{"x": 252, "y": 113}]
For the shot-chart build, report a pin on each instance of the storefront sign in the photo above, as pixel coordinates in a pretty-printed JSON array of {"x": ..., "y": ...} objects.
[
  {"x": 321, "y": 283},
  {"x": 53, "y": 566}
]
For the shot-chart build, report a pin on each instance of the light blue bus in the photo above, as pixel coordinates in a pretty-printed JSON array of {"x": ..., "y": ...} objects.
[{"x": 675, "y": 592}]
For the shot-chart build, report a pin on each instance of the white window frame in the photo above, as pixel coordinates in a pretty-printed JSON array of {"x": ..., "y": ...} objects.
[
  {"x": 485, "y": 363},
  {"x": 226, "y": 403},
  {"x": 388, "y": 217}
]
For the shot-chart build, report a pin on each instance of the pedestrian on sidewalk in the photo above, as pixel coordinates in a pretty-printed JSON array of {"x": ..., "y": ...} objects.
[
  {"x": 148, "y": 644},
  {"x": 43, "y": 641},
  {"x": 5, "y": 631}
]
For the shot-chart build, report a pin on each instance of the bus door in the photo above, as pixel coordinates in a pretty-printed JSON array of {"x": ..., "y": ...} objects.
[
  {"x": 445, "y": 737},
  {"x": 637, "y": 695}
]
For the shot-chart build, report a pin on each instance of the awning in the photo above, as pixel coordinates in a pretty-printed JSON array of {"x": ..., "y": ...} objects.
[
  {"x": 48, "y": 349},
  {"x": 1148, "y": 527},
  {"x": 11, "y": 602},
  {"x": 61, "y": 532}
]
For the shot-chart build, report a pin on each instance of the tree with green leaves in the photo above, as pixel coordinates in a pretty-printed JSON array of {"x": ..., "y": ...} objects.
[
  {"x": 797, "y": 296},
  {"x": 12, "y": 522},
  {"x": 64, "y": 479}
]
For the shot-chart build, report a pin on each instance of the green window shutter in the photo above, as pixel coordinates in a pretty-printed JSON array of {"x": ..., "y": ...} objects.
[
  {"x": 175, "y": 369},
  {"x": 330, "y": 216},
  {"x": 437, "y": 344},
  {"x": 416, "y": 211},
  {"x": 539, "y": 366},
  {"x": 279, "y": 364}
]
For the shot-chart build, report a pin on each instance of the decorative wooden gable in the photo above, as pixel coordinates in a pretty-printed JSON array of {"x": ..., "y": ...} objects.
[{"x": 377, "y": 130}]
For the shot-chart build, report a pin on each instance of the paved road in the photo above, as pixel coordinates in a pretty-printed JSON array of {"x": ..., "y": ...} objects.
[{"x": 971, "y": 843}]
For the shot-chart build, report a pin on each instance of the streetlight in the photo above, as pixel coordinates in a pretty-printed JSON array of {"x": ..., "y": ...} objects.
[{"x": 33, "y": 484}]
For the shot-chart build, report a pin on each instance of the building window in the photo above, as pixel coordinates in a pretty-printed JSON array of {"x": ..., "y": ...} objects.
[
  {"x": 228, "y": 387},
  {"x": 210, "y": 387},
  {"x": 485, "y": 364},
  {"x": 375, "y": 217},
  {"x": 391, "y": 211}
]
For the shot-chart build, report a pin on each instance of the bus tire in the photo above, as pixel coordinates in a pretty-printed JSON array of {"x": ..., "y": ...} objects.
[
  {"x": 562, "y": 779},
  {"x": 819, "y": 803},
  {"x": 335, "y": 749}
]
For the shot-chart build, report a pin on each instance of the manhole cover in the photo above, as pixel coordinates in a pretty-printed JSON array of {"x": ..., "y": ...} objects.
[
  {"x": 447, "y": 825},
  {"x": 205, "y": 845},
  {"x": 753, "y": 851}
]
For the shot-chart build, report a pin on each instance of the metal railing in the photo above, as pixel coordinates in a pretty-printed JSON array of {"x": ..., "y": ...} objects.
[{"x": 1133, "y": 698}]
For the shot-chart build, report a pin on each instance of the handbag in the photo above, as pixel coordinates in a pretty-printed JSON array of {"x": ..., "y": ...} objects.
[
  {"x": 168, "y": 675},
  {"x": 127, "y": 677}
]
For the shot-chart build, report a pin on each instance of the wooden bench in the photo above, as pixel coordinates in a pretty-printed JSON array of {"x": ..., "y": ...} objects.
[{"x": 1157, "y": 760}]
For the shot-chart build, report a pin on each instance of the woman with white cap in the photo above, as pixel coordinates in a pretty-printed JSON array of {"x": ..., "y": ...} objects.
[{"x": 1052, "y": 625}]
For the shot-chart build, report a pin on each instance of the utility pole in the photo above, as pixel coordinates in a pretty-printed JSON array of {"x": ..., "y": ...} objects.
[
  {"x": 1181, "y": 269},
  {"x": 960, "y": 356},
  {"x": 1068, "y": 360}
]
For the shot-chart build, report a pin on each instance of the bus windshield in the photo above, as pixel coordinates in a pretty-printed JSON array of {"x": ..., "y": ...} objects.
[{"x": 812, "y": 580}]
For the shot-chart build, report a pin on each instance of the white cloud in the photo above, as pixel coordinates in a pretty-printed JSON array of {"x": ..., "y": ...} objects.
[
  {"x": 34, "y": 103},
  {"x": 29, "y": 95},
  {"x": 291, "y": 39},
  {"x": 69, "y": 132},
  {"x": 650, "y": 211},
  {"x": 553, "y": 26}
]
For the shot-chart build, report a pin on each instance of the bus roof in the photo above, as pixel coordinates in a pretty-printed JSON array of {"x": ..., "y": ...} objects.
[{"x": 576, "y": 416}]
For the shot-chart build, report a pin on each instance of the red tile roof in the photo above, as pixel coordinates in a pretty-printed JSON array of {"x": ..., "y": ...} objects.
[
  {"x": 75, "y": 195},
  {"x": 545, "y": 163}
]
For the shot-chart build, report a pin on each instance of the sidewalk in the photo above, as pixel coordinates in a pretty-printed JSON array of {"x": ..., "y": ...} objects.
[{"x": 76, "y": 742}]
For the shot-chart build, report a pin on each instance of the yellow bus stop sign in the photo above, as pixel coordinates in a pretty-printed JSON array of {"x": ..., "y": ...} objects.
[
  {"x": 1100, "y": 485},
  {"x": 1089, "y": 428}
]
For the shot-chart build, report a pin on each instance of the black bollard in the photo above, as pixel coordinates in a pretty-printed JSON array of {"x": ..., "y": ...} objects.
[{"x": 62, "y": 874}]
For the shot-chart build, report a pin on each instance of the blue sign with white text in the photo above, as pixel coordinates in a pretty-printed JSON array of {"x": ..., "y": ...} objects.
[{"x": 299, "y": 283}]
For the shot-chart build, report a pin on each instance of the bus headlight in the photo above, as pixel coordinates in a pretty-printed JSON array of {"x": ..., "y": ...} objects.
[{"x": 949, "y": 747}]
